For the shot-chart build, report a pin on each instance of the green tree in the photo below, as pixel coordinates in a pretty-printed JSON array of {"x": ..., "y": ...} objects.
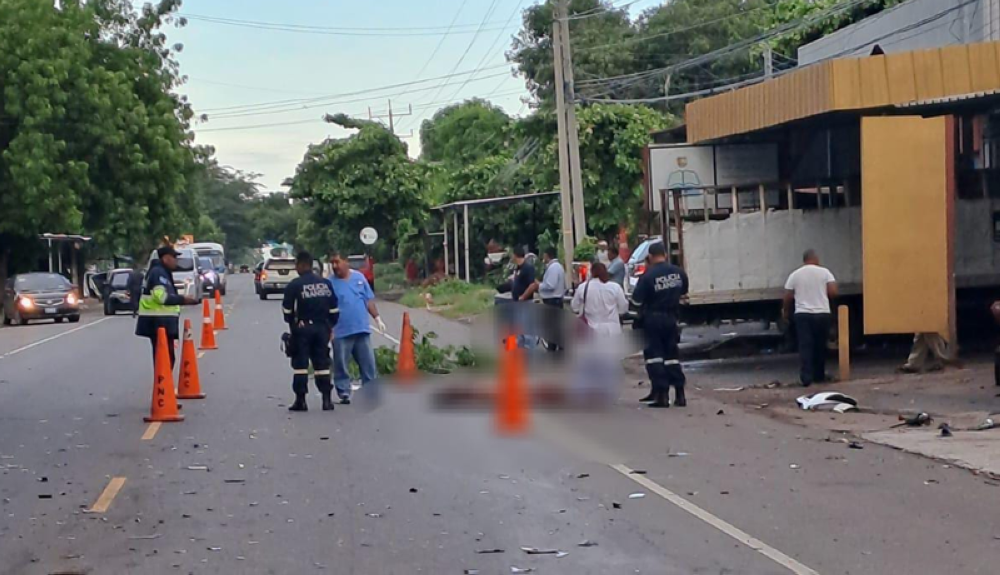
[
  {"x": 92, "y": 138},
  {"x": 460, "y": 134},
  {"x": 365, "y": 179}
]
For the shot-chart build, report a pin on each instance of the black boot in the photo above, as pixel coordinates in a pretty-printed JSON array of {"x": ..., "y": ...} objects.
[
  {"x": 300, "y": 404},
  {"x": 327, "y": 402},
  {"x": 679, "y": 399},
  {"x": 648, "y": 398},
  {"x": 661, "y": 398}
]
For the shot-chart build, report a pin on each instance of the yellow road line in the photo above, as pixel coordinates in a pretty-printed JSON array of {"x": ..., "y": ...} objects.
[
  {"x": 151, "y": 431},
  {"x": 108, "y": 495}
]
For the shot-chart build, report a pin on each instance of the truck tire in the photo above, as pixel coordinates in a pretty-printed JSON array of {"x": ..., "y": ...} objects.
[{"x": 109, "y": 307}]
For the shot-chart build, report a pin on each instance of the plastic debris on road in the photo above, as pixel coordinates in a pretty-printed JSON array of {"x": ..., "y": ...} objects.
[
  {"x": 587, "y": 543},
  {"x": 828, "y": 401},
  {"x": 637, "y": 496},
  {"x": 519, "y": 570},
  {"x": 917, "y": 420},
  {"x": 945, "y": 430},
  {"x": 537, "y": 551},
  {"x": 734, "y": 389},
  {"x": 988, "y": 424},
  {"x": 197, "y": 468},
  {"x": 489, "y": 551}
]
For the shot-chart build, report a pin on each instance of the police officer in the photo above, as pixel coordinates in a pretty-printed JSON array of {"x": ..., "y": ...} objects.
[
  {"x": 311, "y": 311},
  {"x": 160, "y": 304},
  {"x": 658, "y": 294}
]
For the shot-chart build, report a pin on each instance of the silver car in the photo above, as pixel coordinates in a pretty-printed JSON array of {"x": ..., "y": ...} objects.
[{"x": 187, "y": 277}]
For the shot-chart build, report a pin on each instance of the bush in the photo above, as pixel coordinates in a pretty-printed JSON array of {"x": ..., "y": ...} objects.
[{"x": 389, "y": 276}]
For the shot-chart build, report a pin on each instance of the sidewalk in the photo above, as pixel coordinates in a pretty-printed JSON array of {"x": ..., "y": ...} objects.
[{"x": 962, "y": 397}]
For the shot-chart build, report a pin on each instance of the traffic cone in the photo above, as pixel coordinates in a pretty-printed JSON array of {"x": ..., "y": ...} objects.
[
  {"x": 164, "y": 406},
  {"x": 189, "y": 384},
  {"x": 512, "y": 391},
  {"x": 207, "y": 331},
  {"x": 220, "y": 317},
  {"x": 406, "y": 364}
]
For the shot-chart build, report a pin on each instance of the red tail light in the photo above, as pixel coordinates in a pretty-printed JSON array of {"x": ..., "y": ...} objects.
[
  {"x": 263, "y": 275},
  {"x": 640, "y": 269}
]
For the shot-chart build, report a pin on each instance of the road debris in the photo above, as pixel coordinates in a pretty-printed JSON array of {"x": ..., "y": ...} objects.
[
  {"x": 413, "y": 490},
  {"x": 145, "y": 537},
  {"x": 678, "y": 454},
  {"x": 988, "y": 424},
  {"x": 587, "y": 543},
  {"x": 945, "y": 430},
  {"x": 637, "y": 496},
  {"x": 795, "y": 466},
  {"x": 197, "y": 468},
  {"x": 235, "y": 480},
  {"x": 720, "y": 412},
  {"x": 214, "y": 548},
  {"x": 45, "y": 496},
  {"x": 733, "y": 389},
  {"x": 616, "y": 505},
  {"x": 519, "y": 570},
  {"x": 489, "y": 551},
  {"x": 582, "y": 475},
  {"x": 828, "y": 401},
  {"x": 374, "y": 515},
  {"x": 637, "y": 472},
  {"x": 471, "y": 572},
  {"x": 537, "y": 551},
  {"x": 917, "y": 420},
  {"x": 855, "y": 445}
]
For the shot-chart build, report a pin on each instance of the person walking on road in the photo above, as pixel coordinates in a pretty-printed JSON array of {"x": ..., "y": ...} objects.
[
  {"x": 552, "y": 289},
  {"x": 160, "y": 304},
  {"x": 352, "y": 335},
  {"x": 658, "y": 294},
  {"x": 311, "y": 311},
  {"x": 811, "y": 288},
  {"x": 600, "y": 303}
]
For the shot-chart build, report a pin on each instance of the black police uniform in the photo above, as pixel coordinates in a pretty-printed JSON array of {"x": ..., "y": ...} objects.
[
  {"x": 658, "y": 293},
  {"x": 311, "y": 311}
]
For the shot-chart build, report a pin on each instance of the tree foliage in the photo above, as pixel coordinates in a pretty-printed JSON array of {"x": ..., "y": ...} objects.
[
  {"x": 92, "y": 138},
  {"x": 464, "y": 133},
  {"x": 365, "y": 179}
]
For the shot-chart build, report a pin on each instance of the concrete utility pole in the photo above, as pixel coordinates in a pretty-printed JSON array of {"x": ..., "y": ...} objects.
[
  {"x": 391, "y": 116},
  {"x": 768, "y": 61},
  {"x": 570, "y": 174}
]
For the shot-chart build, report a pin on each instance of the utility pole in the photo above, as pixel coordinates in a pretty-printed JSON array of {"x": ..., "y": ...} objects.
[
  {"x": 768, "y": 61},
  {"x": 391, "y": 116},
  {"x": 570, "y": 174}
]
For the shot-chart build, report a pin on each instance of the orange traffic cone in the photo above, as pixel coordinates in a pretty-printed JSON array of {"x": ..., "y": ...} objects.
[
  {"x": 406, "y": 365},
  {"x": 164, "y": 407},
  {"x": 189, "y": 384},
  {"x": 220, "y": 317},
  {"x": 512, "y": 391},
  {"x": 207, "y": 331}
]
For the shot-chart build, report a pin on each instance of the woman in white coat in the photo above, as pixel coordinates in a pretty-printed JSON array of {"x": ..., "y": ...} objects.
[{"x": 599, "y": 303}]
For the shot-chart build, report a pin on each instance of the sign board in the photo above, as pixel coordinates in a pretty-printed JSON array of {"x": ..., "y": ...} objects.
[
  {"x": 369, "y": 236},
  {"x": 692, "y": 168}
]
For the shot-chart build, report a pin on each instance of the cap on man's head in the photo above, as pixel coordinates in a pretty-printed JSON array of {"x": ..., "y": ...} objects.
[
  {"x": 657, "y": 249},
  {"x": 304, "y": 258},
  {"x": 167, "y": 251}
]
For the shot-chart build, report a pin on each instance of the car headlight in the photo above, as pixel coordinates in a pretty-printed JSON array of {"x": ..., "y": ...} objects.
[
  {"x": 26, "y": 303},
  {"x": 71, "y": 299}
]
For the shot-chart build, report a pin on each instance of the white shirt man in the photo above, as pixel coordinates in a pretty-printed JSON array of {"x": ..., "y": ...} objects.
[{"x": 811, "y": 287}]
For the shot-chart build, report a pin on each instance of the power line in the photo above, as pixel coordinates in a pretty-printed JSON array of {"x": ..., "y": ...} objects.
[
  {"x": 324, "y": 31},
  {"x": 441, "y": 41},
  {"x": 376, "y": 89},
  {"x": 489, "y": 12}
]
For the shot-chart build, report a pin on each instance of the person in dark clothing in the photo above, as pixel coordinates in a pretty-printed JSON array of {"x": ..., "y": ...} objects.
[
  {"x": 524, "y": 278},
  {"x": 160, "y": 304},
  {"x": 658, "y": 294},
  {"x": 311, "y": 311},
  {"x": 135, "y": 285}
]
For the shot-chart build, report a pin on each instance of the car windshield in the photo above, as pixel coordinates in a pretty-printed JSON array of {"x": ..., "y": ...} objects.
[
  {"x": 185, "y": 264},
  {"x": 41, "y": 282},
  {"x": 356, "y": 263},
  {"x": 216, "y": 259},
  {"x": 642, "y": 251},
  {"x": 205, "y": 264},
  {"x": 119, "y": 281}
]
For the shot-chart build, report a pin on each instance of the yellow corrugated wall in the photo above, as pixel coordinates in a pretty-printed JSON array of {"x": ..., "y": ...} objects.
[{"x": 906, "y": 227}]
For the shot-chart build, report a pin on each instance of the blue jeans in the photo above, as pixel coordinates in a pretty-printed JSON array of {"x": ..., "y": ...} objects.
[{"x": 359, "y": 347}]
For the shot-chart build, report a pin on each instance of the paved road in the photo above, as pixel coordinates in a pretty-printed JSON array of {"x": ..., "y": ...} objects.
[{"x": 402, "y": 489}]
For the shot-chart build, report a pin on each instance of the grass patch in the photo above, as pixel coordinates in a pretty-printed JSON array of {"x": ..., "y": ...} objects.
[
  {"x": 455, "y": 298},
  {"x": 389, "y": 276}
]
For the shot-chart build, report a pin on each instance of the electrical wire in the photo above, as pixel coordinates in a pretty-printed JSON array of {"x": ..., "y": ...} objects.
[{"x": 327, "y": 31}]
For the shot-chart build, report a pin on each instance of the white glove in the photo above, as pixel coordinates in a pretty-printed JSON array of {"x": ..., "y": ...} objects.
[{"x": 381, "y": 325}]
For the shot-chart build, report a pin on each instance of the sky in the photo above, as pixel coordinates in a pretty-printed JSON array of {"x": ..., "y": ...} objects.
[{"x": 231, "y": 66}]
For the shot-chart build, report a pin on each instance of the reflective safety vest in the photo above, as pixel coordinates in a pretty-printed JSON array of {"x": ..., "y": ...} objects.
[{"x": 159, "y": 296}]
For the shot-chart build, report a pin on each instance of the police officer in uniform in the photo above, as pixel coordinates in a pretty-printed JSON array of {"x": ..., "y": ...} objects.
[
  {"x": 311, "y": 311},
  {"x": 160, "y": 304},
  {"x": 658, "y": 293}
]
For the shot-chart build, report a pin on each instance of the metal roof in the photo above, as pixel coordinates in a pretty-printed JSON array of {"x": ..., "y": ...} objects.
[
  {"x": 495, "y": 200},
  {"x": 949, "y": 99}
]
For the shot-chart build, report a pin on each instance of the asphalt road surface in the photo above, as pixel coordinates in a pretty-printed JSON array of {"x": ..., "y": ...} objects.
[{"x": 243, "y": 486}]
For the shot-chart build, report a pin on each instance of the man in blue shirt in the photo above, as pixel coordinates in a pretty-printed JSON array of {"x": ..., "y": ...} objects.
[{"x": 352, "y": 334}]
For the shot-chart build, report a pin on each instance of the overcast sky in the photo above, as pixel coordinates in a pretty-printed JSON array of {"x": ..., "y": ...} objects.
[{"x": 242, "y": 65}]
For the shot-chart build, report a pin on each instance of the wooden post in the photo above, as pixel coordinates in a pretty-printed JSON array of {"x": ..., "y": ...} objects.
[{"x": 844, "y": 341}]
